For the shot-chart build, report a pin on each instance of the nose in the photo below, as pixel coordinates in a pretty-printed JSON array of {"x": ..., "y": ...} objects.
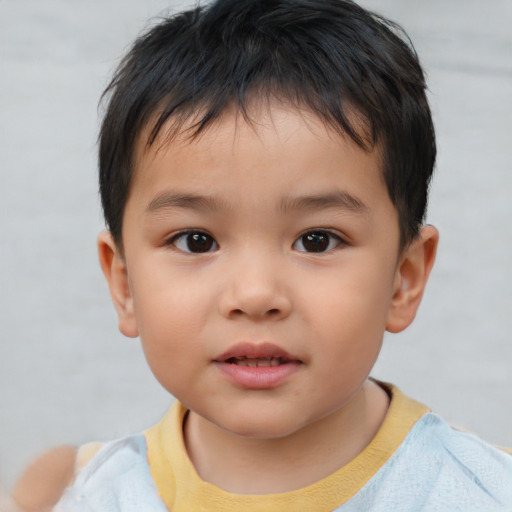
[{"x": 255, "y": 290}]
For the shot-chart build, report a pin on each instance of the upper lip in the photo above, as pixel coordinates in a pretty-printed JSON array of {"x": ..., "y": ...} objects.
[{"x": 255, "y": 351}]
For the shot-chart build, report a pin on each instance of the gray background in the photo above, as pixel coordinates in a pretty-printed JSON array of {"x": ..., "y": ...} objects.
[{"x": 66, "y": 375}]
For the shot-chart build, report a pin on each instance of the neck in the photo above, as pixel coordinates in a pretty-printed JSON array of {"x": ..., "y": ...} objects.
[{"x": 265, "y": 466}]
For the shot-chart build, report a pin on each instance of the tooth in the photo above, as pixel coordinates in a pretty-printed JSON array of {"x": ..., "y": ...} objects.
[{"x": 263, "y": 361}]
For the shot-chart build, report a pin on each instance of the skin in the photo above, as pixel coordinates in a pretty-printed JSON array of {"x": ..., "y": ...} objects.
[
  {"x": 41, "y": 484},
  {"x": 262, "y": 188}
]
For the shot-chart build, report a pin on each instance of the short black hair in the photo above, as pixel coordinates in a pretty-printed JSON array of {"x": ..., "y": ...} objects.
[{"x": 330, "y": 56}]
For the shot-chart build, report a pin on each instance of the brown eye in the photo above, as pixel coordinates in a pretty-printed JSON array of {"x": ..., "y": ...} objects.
[
  {"x": 317, "y": 241},
  {"x": 195, "y": 242}
]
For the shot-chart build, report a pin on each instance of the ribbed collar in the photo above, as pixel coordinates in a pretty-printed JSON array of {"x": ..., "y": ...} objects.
[{"x": 182, "y": 490}]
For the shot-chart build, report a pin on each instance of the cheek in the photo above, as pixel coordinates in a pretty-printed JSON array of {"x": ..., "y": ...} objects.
[
  {"x": 172, "y": 316},
  {"x": 358, "y": 299},
  {"x": 171, "y": 331},
  {"x": 349, "y": 313},
  {"x": 173, "y": 291}
]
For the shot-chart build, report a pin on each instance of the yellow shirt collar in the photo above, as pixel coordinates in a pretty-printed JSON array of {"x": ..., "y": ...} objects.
[{"x": 182, "y": 490}]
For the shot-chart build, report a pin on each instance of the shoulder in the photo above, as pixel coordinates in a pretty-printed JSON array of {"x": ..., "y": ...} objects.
[
  {"x": 439, "y": 441},
  {"x": 442, "y": 469},
  {"x": 117, "y": 478},
  {"x": 432, "y": 467}
]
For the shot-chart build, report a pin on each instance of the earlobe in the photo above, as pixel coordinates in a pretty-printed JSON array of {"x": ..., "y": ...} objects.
[
  {"x": 411, "y": 278},
  {"x": 114, "y": 269}
]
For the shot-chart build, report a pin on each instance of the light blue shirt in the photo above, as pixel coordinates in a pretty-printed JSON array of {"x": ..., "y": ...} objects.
[{"x": 435, "y": 469}]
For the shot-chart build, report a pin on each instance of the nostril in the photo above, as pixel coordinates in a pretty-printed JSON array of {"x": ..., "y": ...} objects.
[{"x": 273, "y": 312}]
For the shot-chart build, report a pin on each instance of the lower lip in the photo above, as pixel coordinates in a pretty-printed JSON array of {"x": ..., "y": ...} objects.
[{"x": 258, "y": 377}]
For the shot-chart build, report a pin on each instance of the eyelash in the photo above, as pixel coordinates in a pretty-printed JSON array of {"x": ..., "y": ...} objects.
[{"x": 317, "y": 237}]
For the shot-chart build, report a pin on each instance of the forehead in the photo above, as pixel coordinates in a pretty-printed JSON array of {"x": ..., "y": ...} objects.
[
  {"x": 273, "y": 142},
  {"x": 258, "y": 109}
]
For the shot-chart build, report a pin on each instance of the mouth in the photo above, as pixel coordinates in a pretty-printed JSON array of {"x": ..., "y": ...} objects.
[
  {"x": 256, "y": 355},
  {"x": 257, "y": 366},
  {"x": 257, "y": 362}
]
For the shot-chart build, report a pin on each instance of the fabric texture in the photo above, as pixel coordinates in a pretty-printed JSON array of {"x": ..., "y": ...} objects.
[{"x": 416, "y": 462}]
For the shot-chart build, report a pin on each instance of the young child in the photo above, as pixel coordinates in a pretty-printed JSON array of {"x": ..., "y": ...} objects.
[{"x": 264, "y": 169}]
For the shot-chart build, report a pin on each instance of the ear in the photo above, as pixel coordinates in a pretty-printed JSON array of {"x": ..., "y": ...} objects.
[
  {"x": 411, "y": 278},
  {"x": 114, "y": 268}
]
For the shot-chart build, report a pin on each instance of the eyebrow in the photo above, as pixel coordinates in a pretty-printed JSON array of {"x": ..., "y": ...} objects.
[
  {"x": 169, "y": 200},
  {"x": 340, "y": 199}
]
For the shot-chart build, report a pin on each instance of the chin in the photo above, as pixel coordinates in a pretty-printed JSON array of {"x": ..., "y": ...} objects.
[{"x": 260, "y": 427}]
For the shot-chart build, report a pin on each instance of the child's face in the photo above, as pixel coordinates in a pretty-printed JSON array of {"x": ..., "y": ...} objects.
[{"x": 275, "y": 245}]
